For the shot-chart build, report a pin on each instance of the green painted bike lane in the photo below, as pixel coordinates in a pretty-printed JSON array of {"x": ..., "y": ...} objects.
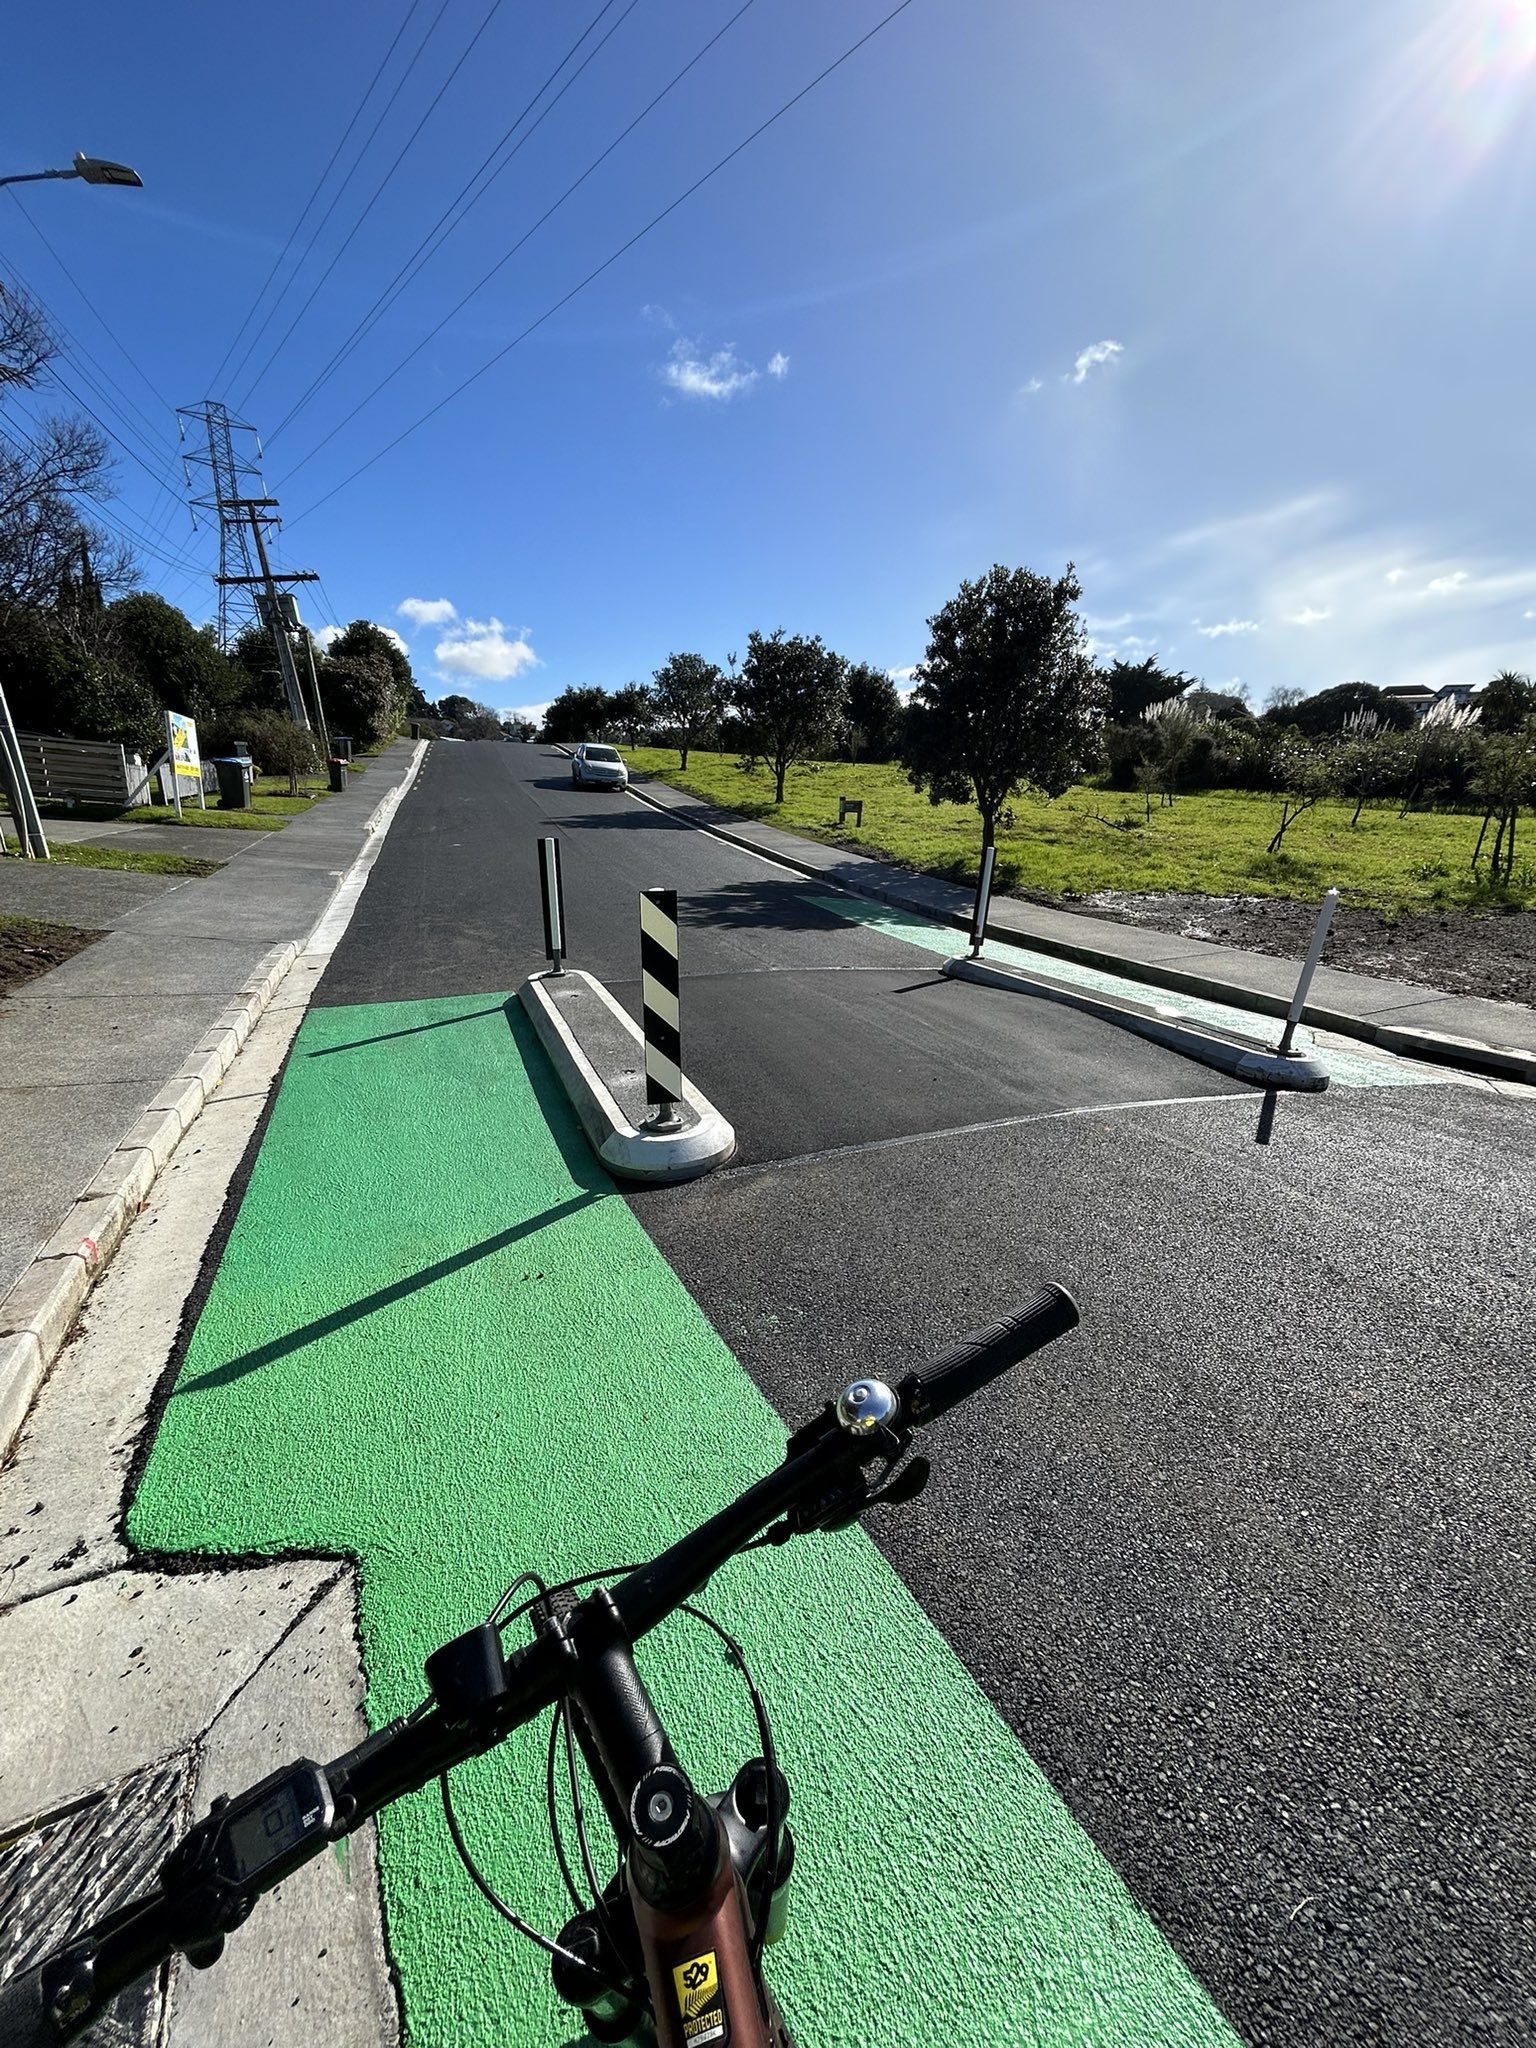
[{"x": 440, "y": 1343}]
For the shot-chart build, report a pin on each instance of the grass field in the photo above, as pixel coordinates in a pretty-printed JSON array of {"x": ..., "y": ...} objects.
[
  {"x": 1091, "y": 839},
  {"x": 127, "y": 861},
  {"x": 271, "y": 808}
]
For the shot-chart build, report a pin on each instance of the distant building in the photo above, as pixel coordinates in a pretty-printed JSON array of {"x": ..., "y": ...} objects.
[{"x": 1419, "y": 699}]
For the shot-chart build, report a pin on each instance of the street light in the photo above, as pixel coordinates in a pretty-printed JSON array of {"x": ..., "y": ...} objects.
[{"x": 95, "y": 170}]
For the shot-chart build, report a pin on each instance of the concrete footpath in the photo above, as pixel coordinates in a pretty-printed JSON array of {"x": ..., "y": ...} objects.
[
  {"x": 86, "y": 1049},
  {"x": 1496, "y": 1038}
]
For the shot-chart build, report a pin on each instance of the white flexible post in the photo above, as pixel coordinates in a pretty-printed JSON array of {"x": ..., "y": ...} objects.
[{"x": 1330, "y": 903}]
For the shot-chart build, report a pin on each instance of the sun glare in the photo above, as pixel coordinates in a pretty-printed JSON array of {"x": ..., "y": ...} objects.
[{"x": 1461, "y": 85}]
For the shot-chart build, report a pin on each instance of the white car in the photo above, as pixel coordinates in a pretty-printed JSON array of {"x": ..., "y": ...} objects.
[{"x": 595, "y": 767}]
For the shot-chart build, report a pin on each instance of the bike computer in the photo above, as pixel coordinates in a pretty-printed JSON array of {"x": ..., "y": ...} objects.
[{"x": 254, "y": 1842}]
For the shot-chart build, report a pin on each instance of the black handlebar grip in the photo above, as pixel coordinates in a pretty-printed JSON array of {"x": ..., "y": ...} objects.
[
  {"x": 985, "y": 1354},
  {"x": 24, "y": 2020}
]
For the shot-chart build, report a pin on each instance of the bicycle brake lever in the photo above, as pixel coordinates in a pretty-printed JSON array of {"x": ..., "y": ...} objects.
[{"x": 907, "y": 1485}]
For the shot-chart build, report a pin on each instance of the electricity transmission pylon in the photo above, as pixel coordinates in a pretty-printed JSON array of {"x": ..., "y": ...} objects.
[{"x": 249, "y": 588}]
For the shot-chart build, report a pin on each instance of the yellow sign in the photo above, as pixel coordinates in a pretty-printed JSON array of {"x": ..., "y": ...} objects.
[{"x": 181, "y": 744}]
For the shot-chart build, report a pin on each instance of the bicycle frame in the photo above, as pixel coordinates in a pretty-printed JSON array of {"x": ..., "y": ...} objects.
[{"x": 696, "y": 1948}]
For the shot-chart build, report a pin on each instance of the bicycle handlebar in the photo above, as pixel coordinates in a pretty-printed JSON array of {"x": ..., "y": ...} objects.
[
  {"x": 820, "y": 1484},
  {"x": 973, "y": 1361}
]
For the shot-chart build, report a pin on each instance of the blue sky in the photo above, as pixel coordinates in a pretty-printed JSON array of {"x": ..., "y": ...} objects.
[{"x": 1229, "y": 304}]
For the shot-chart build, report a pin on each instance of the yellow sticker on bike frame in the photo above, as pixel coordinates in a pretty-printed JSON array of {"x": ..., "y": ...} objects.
[{"x": 697, "y": 1983}]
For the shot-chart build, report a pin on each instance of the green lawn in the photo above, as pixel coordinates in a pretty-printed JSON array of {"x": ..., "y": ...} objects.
[
  {"x": 1091, "y": 839},
  {"x": 271, "y": 808},
  {"x": 128, "y": 861}
]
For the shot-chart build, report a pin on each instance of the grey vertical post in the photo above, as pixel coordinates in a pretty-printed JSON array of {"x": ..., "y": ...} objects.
[
  {"x": 29, "y": 823},
  {"x": 659, "y": 1005},
  {"x": 552, "y": 901},
  {"x": 1308, "y": 969},
  {"x": 983, "y": 899}
]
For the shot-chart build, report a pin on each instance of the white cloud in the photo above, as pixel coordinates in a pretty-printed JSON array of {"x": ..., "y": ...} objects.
[
  {"x": 1226, "y": 627},
  {"x": 1095, "y": 353},
  {"x": 1396, "y": 575},
  {"x": 390, "y": 634},
  {"x": 722, "y": 375},
  {"x": 1528, "y": 615},
  {"x": 1309, "y": 615},
  {"x": 482, "y": 649},
  {"x": 903, "y": 677},
  {"x": 1032, "y": 387},
  {"x": 428, "y": 611},
  {"x": 1442, "y": 586}
]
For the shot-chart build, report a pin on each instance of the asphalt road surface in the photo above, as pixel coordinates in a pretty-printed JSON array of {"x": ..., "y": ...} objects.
[{"x": 1247, "y": 1563}]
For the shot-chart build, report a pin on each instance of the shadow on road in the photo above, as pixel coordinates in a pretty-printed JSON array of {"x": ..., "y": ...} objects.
[
  {"x": 398, "y": 1290},
  {"x": 410, "y": 1031},
  {"x": 758, "y": 905}
]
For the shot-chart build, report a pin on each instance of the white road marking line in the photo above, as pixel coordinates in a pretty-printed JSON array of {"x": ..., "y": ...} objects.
[{"x": 998, "y": 1123}]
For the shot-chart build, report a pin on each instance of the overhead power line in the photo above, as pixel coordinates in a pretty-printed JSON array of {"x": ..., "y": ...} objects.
[
  {"x": 378, "y": 193},
  {"x": 131, "y": 416},
  {"x": 609, "y": 261},
  {"x": 336, "y": 197},
  {"x": 357, "y": 112},
  {"x": 526, "y": 236},
  {"x": 95, "y": 512},
  {"x": 105, "y": 325},
  {"x": 455, "y": 212}
]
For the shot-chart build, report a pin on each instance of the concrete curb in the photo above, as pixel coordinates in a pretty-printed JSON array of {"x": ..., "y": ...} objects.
[
  {"x": 37, "y": 1314},
  {"x": 630, "y": 1154},
  {"x": 1443, "y": 1048},
  {"x": 1245, "y": 1059},
  {"x": 39, "y": 1311}
]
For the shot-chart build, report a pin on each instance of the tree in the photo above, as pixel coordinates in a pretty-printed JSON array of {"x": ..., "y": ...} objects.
[
  {"x": 1303, "y": 772},
  {"x": 875, "y": 713},
  {"x": 363, "y": 640},
  {"x": 1173, "y": 728},
  {"x": 630, "y": 709},
  {"x": 519, "y": 729},
  {"x": 280, "y": 747},
  {"x": 1508, "y": 703},
  {"x": 45, "y": 472},
  {"x": 1330, "y": 710},
  {"x": 688, "y": 700},
  {"x": 575, "y": 715},
  {"x": 456, "y": 707},
  {"x": 791, "y": 695},
  {"x": 159, "y": 645},
  {"x": 359, "y": 695},
  {"x": 1135, "y": 686},
  {"x": 482, "y": 724},
  {"x": 1505, "y": 780},
  {"x": 1006, "y": 697},
  {"x": 1367, "y": 762},
  {"x": 1442, "y": 753}
]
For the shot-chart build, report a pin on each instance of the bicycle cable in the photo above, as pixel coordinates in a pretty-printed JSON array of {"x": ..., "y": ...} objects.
[{"x": 560, "y": 1719}]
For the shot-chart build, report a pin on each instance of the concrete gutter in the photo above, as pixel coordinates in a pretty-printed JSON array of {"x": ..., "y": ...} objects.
[
  {"x": 1228, "y": 1052},
  {"x": 39, "y": 1311},
  {"x": 561, "y": 1006},
  {"x": 1443, "y": 1048}
]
